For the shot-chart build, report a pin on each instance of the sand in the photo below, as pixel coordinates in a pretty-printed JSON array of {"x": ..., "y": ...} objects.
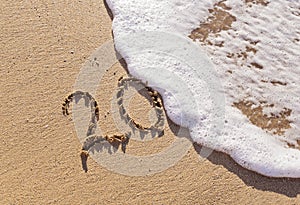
[{"x": 44, "y": 45}]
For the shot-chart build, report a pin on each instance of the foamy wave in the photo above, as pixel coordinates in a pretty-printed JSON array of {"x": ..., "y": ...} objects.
[{"x": 255, "y": 49}]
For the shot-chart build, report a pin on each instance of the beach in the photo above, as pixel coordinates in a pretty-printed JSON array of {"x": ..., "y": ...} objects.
[{"x": 44, "y": 45}]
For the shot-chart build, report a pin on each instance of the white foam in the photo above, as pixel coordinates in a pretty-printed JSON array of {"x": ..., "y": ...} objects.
[{"x": 274, "y": 27}]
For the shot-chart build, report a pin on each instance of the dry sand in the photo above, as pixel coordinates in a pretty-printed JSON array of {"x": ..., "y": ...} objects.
[{"x": 43, "y": 46}]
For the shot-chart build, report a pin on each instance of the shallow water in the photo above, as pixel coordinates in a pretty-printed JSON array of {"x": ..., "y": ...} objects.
[{"x": 252, "y": 47}]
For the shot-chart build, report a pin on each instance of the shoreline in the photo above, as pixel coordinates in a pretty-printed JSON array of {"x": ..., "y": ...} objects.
[{"x": 44, "y": 47}]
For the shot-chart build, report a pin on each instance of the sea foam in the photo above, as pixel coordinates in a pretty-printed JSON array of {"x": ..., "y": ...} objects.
[{"x": 256, "y": 59}]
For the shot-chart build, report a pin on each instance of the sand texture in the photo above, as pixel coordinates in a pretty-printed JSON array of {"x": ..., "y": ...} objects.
[{"x": 43, "y": 46}]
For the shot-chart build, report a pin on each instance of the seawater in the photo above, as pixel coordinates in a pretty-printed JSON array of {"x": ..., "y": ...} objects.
[{"x": 256, "y": 59}]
